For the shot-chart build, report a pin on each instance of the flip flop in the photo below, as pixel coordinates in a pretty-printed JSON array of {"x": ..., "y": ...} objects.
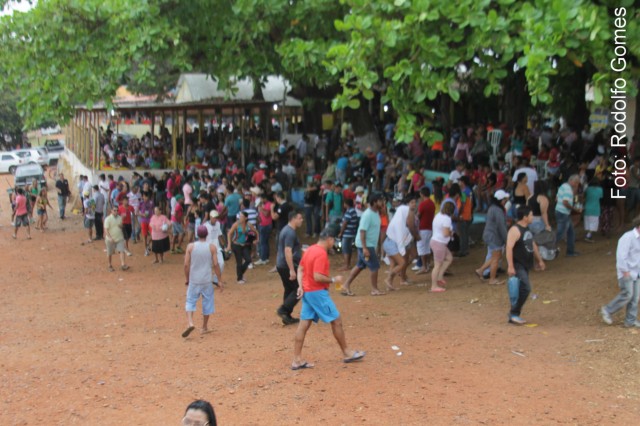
[
  {"x": 188, "y": 331},
  {"x": 302, "y": 366},
  {"x": 378, "y": 293},
  {"x": 479, "y": 275},
  {"x": 496, "y": 282},
  {"x": 347, "y": 293},
  {"x": 438, "y": 290},
  {"x": 357, "y": 356}
]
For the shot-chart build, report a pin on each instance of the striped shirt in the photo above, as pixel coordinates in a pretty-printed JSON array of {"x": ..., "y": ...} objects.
[
  {"x": 352, "y": 220},
  {"x": 252, "y": 216},
  {"x": 565, "y": 192}
]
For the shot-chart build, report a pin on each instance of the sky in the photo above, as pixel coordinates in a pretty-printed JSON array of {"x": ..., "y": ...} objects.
[{"x": 12, "y": 6}]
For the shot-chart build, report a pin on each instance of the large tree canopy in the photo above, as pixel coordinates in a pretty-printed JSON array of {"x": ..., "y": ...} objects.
[{"x": 65, "y": 52}]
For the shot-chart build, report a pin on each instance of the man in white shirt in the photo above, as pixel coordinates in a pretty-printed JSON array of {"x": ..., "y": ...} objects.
[
  {"x": 628, "y": 272},
  {"x": 213, "y": 237},
  {"x": 103, "y": 187}
]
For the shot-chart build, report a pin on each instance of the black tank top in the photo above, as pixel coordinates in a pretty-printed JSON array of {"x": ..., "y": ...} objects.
[
  {"x": 535, "y": 205},
  {"x": 523, "y": 248}
]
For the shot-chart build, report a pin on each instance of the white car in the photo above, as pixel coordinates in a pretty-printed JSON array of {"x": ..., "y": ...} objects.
[
  {"x": 9, "y": 161},
  {"x": 33, "y": 155}
]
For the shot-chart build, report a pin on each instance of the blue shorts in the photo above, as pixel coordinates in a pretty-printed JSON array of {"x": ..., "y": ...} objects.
[
  {"x": 347, "y": 245},
  {"x": 373, "y": 263},
  {"x": 194, "y": 291},
  {"x": 318, "y": 305},
  {"x": 390, "y": 247},
  {"x": 177, "y": 228}
]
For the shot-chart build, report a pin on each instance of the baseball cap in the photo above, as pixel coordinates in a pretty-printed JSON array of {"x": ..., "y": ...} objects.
[
  {"x": 359, "y": 189},
  {"x": 214, "y": 213},
  {"x": 501, "y": 194},
  {"x": 202, "y": 231}
]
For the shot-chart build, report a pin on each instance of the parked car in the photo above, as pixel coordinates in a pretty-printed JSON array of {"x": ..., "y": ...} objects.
[
  {"x": 9, "y": 161},
  {"x": 25, "y": 173},
  {"x": 55, "y": 148},
  {"x": 34, "y": 155}
]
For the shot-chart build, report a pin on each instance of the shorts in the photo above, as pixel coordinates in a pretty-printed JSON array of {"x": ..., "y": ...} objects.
[
  {"x": 191, "y": 227},
  {"x": 144, "y": 228},
  {"x": 22, "y": 220},
  {"x": 591, "y": 223},
  {"x": 41, "y": 212},
  {"x": 373, "y": 263},
  {"x": 177, "y": 228},
  {"x": 440, "y": 251},
  {"x": 113, "y": 246},
  {"x": 88, "y": 223},
  {"x": 423, "y": 245},
  {"x": 194, "y": 291},
  {"x": 127, "y": 230},
  {"x": 390, "y": 247},
  {"x": 347, "y": 244},
  {"x": 318, "y": 305}
]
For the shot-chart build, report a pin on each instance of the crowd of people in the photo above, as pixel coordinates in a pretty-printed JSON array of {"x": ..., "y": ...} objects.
[{"x": 372, "y": 207}]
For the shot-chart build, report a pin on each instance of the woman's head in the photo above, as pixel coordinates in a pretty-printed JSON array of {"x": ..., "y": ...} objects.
[
  {"x": 447, "y": 208},
  {"x": 244, "y": 216},
  {"x": 522, "y": 178},
  {"x": 199, "y": 413},
  {"x": 540, "y": 187},
  {"x": 157, "y": 211}
]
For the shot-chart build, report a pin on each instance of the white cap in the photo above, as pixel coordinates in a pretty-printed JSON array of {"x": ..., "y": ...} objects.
[
  {"x": 214, "y": 213},
  {"x": 501, "y": 194},
  {"x": 359, "y": 189}
]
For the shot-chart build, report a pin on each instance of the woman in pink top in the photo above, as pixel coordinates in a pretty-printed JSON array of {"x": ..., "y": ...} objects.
[
  {"x": 160, "y": 226},
  {"x": 22, "y": 214}
]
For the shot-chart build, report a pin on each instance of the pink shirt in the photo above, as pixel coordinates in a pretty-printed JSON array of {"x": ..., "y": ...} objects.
[
  {"x": 155, "y": 224},
  {"x": 21, "y": 205},
  {"x": 265, "y": 218}
]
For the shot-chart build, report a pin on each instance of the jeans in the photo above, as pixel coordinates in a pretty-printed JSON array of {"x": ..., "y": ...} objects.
[
  {"x": 566, "y": 226},
  {"x": 263, "y": 248},
  {"x": 463, "y": 232},
  {"x": 537, "y": 226},
  {"x": 312, "y": 217},
  {"x": 290, "y": 298},
  {"x": 628, "y": 296},
  {"x": 243, "y": 259},
  {"x": 62, "y": 205},
  {"x": 99, "y": 226},
  {"x": 525, "y": 289}
]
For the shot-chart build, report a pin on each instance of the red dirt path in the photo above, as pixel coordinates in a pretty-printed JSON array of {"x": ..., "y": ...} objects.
[{"x": 81, "y": 345}]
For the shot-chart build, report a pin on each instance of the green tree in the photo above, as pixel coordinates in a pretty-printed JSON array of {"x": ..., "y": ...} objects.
[{"x": 10, "y": 120}]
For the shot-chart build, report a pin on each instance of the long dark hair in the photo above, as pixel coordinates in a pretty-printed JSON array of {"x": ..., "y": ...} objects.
[{"x": 206, "y": 408}]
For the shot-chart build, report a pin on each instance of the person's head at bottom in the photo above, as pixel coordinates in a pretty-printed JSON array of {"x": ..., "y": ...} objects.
[{"x": 199, "y": 413}]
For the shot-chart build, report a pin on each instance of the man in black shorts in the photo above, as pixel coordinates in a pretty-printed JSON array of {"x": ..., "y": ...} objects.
[{"x": 287, "y": 261}]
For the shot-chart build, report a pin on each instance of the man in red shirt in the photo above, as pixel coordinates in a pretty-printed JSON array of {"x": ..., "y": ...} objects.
[
  {"x": 125, "y": 210},
  {"x": 22, "y": 214},
  {"x": 426, "y": 212},
  {"x": 313, "y": 288}
]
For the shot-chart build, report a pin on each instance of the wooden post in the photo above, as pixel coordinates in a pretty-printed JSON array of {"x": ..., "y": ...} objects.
[
  {"x": 153, "y": 126},
  {"x": 174, "y": 138},
  {"x": 184, "y": 138},
  {"x": 200, "y": 126},
  {"x": 242, "y": 138}
]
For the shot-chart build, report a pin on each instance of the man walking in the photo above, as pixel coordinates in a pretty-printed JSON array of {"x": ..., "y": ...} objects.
[
  {"x": 114, "y": 238},
  {"x": 287, "y": 261},
  {"x": 521, "y": 250},
  {"x": 22, "y": 214},
  {"x": 628, "y": 269},
  {"x": 564, "y": 208},
  {"x": 366, "y": 242},
  {"x": 200, "y": 258},
  {"x": 426, "y": 214},
  {"x": 62, "y": 186},
  {"x": 214, "y": 235},
  {"x": 89, "y": 205},
  {"x": 313, "y": 288},
  {"x": 100, "y": 202}
]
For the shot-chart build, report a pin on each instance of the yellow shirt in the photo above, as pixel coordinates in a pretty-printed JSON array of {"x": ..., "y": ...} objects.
[{"x": 113, "y": 227}]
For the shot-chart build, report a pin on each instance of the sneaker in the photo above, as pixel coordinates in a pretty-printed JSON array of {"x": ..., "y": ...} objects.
[
  {"x": 386, "y": 260},
  {"x": 179, "y": 250},
  {"x": 128, "y": 253},
  {"x": 514, "y": 319},
  {"x": 250, "y": 266},
  {"x": 606, "y": 317},
  {"x": 415, "y": 267},
  {"x": 635, "y": 324},
  {"x": 146, "y": 252},
  {"x": 260, "y": 262},
  {"x": 241, "y": 281}
]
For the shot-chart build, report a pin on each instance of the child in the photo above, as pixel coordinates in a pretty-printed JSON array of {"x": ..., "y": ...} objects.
[{"x": 593, "y": 195}]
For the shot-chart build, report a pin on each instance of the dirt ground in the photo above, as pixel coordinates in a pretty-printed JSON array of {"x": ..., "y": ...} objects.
[{"x": 81, "y": 345}]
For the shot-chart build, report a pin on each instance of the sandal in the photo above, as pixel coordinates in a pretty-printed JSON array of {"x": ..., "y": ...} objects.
[
  {"x": 377, "y": 293},
  {"x": 347, "y": 293},
  {"x": 124, "y": 267},
  {"x": 111, "y": 269}
]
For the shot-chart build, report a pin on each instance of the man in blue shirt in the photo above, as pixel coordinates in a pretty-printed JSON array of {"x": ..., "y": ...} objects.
[
  {"x": 232, "y": 204},
  {"x": 366, "y": 243},
  {"x": 628, "y": 271}
]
